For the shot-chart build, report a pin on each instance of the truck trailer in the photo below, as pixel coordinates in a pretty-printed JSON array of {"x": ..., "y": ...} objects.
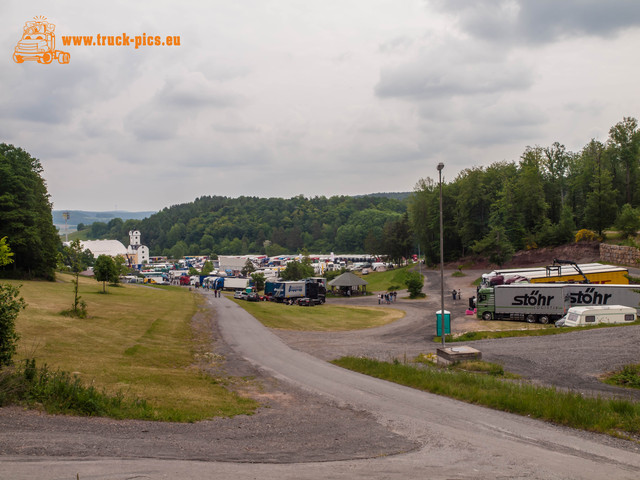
[
  {"x": 290, "y": 292},
  {"x": 562, "y": 271},
  {"x": 543, "y": 303}
]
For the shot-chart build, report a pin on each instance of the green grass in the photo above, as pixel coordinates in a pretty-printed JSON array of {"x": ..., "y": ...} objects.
[
  {"x": 388, "y": 280},
  {"x": 611, "y": 416},
  {"x": 136, "y": 341},
  {"x": 321, "y": 318},
  {"x": 537, "y": 332},
  {"x": 628, "y": 376}
]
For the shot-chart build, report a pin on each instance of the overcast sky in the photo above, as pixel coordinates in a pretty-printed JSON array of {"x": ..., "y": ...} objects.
[{"x": 288, "y": 97}]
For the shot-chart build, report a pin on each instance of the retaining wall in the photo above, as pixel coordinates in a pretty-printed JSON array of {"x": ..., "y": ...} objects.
[{"x": 619, "y": 255}]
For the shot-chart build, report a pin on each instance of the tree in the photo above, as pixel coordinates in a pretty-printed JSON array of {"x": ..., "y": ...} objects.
[
  {"x": 628, "y": 222},
  {"x": 77, "y": 264},
  {"x": 10, "y": 306},
  {"x": 25, "y": 215},
  {"x": 258, "y": 280},
  {"x": 414, "y": 282},
  {"x": 207, "y": 268},
  {"x": 600, "y": 209},
  {"x": 623, "y": 145},
  {"x": 105, "y": 270},
  {"x": 5, "y": 252},
  {"x": 248, "y": 268},
  {"x": 495, "y": 246},
  {"x": 297, "y": 270}
]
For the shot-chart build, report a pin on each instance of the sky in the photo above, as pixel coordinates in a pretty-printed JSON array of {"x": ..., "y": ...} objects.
[{"x": 277, "y": 98}]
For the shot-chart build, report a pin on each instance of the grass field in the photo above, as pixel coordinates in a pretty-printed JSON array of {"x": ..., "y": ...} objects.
[
  {"x": 383, "y": 281},
  {"x": 320, "y": 318},
  {"x": 137, "y": 340}
]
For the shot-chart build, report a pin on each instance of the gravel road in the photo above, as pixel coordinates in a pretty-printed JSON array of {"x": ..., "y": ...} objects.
[{"x": 294, "y": 426}]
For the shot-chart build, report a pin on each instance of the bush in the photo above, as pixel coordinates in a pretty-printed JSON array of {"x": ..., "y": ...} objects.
[
  {"x": 10, "y": 306},
  {"x": 60, "y": 392},
  {"x": 414, "y": 282},
  {"x": 586, "y": 235}
]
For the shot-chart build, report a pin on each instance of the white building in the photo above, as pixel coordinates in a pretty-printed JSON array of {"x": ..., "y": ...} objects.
[
  {"x": 138, "y": 254},
  {"x": 104, "y": 247}
]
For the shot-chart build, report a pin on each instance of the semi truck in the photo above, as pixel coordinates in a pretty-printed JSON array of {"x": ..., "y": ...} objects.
[
  {"x": 290, "y": 292},
  {"x": 548, "y": 302}
]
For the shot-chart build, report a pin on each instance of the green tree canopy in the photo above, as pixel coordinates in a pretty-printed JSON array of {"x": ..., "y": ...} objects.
[
  {"x": 25, "y": 215},
  {"x": 105, "y": 270}
]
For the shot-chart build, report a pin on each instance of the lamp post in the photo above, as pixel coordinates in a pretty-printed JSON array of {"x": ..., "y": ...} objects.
[{"x": 440, "y": 167}]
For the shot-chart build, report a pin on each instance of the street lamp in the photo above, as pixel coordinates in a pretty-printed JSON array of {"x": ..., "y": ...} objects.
[{"x": 440, "y": 167}]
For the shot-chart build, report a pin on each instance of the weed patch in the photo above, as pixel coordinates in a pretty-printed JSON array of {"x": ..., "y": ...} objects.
[{"x": 629, "y": 377}]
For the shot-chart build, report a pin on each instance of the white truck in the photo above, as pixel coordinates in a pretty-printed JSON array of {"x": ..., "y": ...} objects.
[{"x": 543, "y": 303}]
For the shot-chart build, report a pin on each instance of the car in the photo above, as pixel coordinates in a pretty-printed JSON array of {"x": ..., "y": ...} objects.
[
  {"x": 240, "y": 295},
  {"x": 253, "y": 297},
  {"x": 305, "y": 302}
]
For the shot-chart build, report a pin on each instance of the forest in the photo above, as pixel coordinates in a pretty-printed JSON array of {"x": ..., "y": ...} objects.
[{"x": 541, "y": 199}]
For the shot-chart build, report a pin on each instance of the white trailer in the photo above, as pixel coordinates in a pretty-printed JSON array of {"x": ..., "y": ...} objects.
[
  {"x": 234, "y": 283},
  {"x": 594, "y": 315}
]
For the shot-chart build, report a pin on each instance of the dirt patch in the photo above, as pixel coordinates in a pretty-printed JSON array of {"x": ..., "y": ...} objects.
[{"x": 581, "y": 252}]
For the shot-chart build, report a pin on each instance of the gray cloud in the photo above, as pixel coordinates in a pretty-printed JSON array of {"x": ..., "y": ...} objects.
[
  {"x": 449, "y": 71},
  {"x": 540, "y": 21}
]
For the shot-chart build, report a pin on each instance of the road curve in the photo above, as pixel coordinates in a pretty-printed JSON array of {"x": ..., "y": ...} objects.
[{"x": 458, "y": 440}]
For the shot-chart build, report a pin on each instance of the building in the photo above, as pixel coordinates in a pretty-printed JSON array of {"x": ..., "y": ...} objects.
[
  {"x": 112, "y": 248},
  {"x": 137, "y": 254}
]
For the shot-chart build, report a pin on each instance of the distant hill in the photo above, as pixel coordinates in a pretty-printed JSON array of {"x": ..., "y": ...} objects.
[
  {"x": 393, "y": 195},
  {"x": 86, "y": 217}
]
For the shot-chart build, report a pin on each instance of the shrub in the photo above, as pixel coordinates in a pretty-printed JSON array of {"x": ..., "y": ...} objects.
[{"x": 586, "y": 235}]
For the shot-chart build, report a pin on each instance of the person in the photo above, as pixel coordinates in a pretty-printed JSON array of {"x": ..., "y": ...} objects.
[
  {"x": 454, "y": 293},
  {"x": 379, "y": 295},
  {"x": 459, "y": 295}
]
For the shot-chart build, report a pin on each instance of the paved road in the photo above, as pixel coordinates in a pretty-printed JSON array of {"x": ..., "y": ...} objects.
[{"x": 458, "y": 440}]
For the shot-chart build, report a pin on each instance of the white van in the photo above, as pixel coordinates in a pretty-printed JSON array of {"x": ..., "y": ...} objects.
[{"x": 594, "y": 314}]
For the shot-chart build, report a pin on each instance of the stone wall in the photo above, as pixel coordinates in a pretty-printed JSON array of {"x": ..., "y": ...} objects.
[{"x": 619, "y": 255}]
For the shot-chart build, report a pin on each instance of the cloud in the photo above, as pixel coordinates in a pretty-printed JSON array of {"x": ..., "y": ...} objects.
[
  {"x": 179, "y": 105},
  {"x": 540, "y": 21},
  {"x": 454, "y": 69}
]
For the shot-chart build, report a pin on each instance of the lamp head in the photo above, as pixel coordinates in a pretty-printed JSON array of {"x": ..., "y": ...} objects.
[{"x": 440, "y": 166}]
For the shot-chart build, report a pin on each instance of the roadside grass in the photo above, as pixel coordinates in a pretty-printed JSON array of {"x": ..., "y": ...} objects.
[
  {"x": 387, "y": 280},
  {"x": 541, "y": 330},
  {"x": 615, "y": 417},
  {"x": 136, "y": 342},
  {"x": 628, "y": 376},
  {"x": 321, "y": 318}
]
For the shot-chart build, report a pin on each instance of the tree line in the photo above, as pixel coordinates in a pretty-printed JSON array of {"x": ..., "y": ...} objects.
[
  {"x": 271, "y": 226},
  {"x": 540, "y": 200}
]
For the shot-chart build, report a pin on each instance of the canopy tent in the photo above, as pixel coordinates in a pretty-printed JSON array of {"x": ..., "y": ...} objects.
[{"x": 348, "y": 283}]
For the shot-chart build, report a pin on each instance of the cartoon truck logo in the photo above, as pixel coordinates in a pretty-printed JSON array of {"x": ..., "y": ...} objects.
[{"x": 38, "y": 43}]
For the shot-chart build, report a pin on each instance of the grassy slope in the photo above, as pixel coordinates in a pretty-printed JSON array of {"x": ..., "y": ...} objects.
[
  {"x": 137, "y": 340},
  {"x": 382, "y": 281}
]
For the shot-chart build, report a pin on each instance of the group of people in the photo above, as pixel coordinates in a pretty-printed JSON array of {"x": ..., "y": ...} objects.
[
  {"x": 456, "y": 295},
  {"x": 387, "y": 298}
]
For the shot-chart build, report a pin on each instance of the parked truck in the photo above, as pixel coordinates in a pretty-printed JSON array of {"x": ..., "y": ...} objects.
[
  {"x": 290, "y": 292},
  {"x": 545, "y": 303}
]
